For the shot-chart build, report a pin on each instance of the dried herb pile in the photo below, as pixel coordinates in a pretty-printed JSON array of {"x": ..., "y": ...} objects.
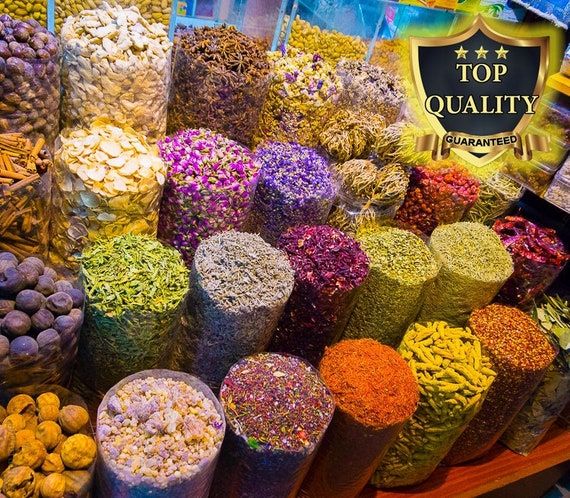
[
  {"x": 209, "y": 188},
  {"x": 329, "y": 266},
  {"x": 520, "y": 354},
  {"x": 239, "y": 287},
  {"x": 397, "y": 143},
  {"x": 454, "y": 376},
  {"x": 135, "y": 289},
  {"x": 220, "y": 80},
  {"x": 375, "y": 393},
  {"x": 474, "y": 266},
  {"x": 295, "y": 187},
  {"x": 277, "y": 410},
  {"x": 538, "y": 255},
  {"x": 401, "y": 270},
  {"x": 546, "y": 403}
]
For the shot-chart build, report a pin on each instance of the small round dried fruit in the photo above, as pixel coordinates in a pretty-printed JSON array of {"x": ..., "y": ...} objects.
[
  {"x": 48, "y": 433},
  {"x": 73, "y": 418},
  {"x": 47, "y": 399},
  {"x": 16, "y": 422},
  {"x": 19, "y": 482},
  {"x": 53, "y": 463},
  {"x": 78, "y": 452},
  {"x": 62, "y": 440},
  {"x": 23, "y": 437},
  {"x": 53, "y": 486},
  {"x": 7, "y": 443},
  {"x": 77, "y": 481},
  {"x": 32, "y": 454},
  {"x": 21, "y": 403},
  {"x": 48, "y": 412}
]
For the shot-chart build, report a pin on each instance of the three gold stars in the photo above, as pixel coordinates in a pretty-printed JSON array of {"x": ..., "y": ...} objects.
[{"x": 481, "y": 53}]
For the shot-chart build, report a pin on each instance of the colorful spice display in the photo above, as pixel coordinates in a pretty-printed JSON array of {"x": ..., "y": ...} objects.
[
  {"x": 521, "y": 354},
  {"x": 277, "y": 410},
  {"x": 303, "y": 91},
  {"x": 135, "y": 289},
  {"x": 238, "y": 289},
  {"x": 332, "y": 45},
  {"x": 159, "y": 433},
  {"x": 397, "y": 143},
  {"x": 30, "y": 79},
  {"x": 553, "y": 393},
  {"x": 401, "y": 270},
  {"x": 329, "y": 266},
  {"x": 221, "y": 77},
  {"x": 391, "y": 54},
  {"x": 40, "y": 318},
  {"x": 474, "y": 266},
  {"x": 375, "y": 393},
  {"x": 25, "y": 182},
  {"x": 107, "y": 182},
  {"x": 538, "y": 256},
  {"x": 370, "y": 88},
  {"x": 46, "y": 444},
  {"x": 454, "y": 377},
  {"x": 438, "y": 193},
  {"x": 209, "y": 188},
  {"x": 295, "y": 188},
  {"x": 26, "y": 9},
  {"x": 116, "y": 65}
]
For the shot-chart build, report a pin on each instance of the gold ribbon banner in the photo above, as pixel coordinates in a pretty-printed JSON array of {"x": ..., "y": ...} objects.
[{"x": 523, "y": 146}]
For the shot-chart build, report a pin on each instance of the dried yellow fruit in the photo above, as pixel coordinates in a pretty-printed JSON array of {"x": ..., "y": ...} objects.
[
  {"x": 15, "y": 422},
  {"x": 73, "y": 418},
  {"x": 62, "y": 440},
  {"x": 3, "y": 414},
  {"x": 46, "y": 399},
  {"x": 31, "y": 423},
  {"x": 39, "y": 479},
  {"x": 7, "y": 442},
  {"x": 48, "y": 433},
  {"x": 77, "y": 481},
  {"x": 32, "y": 454},
  {"x": 48, "y": 412},
  {"x": 53, "y": 486},
  {"x": 23, "y": 437},
  {"x": 78, "y": 452},
  {"x": 19, "y": 482},
  {"x": 53, "y": 463},
  {"x": 21, "y": 404}
]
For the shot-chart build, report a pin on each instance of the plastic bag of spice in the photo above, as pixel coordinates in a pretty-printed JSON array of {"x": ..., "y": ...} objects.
[
  {"x": 220, "y": 80},
  {"x": 135, "y": 289},
  {"x": 474, "y": 266},
  {"x": 553, "y": 393},
  {"x": 59, "y": 419},
  {"x": 277, "y": 411},
  {"x": 329, "y": 266},
  {"x": 538, "y": 255},
  {"x": 41, "y": 315},
  {"x": 375, "y": 393},
  {"x": 521, "y": 354},
  {"x": 159, "y": 434},
  {"x": 454, "y": 376}
]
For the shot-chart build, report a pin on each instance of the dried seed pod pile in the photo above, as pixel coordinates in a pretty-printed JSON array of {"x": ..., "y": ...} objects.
[
  {"x": 159, "y": 433},
  {"x": 25, "y": 183},
  {"x": 277, "y": 410},
  {"x": 209, "y": 188},
  {"x": 520, "y": 354},
  {"x": 329, "y": 266},
  {"x": 107, "y": 182},
  {"x": 26, "y": 9},
  {"x": 401, "y": 270},
  {"x": 375, "y": 393},
  {"x": 474, "y": 266},
  {"x": 302, "y": 93},
  {"x": 220, "y": 81},
  {"x": 135, "y": 289},
  {"x": 295, "y": 188},
  {"x": 116, "y": 65},
  {"x": 40, "y": 318},
  {"x": 30, "y": 84},
  {"x": 553, "y": 393},
  {"x": 539, "y": 256},
  {"x": 239, "y": 285},
  {"x": 454, "y": 377}
]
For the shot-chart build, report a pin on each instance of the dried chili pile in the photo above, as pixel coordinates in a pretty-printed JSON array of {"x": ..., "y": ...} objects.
[
  {"x": 375, "y": 393},
  {"x": 277, "y": 410},
  {"x": 520, "y": 354},
  {"x": 538, "y": 256},
  {"x": 438, "y": 193},
  {"x": 329, "y": 266}
]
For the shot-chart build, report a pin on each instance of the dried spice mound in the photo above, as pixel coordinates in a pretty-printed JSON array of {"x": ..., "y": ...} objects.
[
  {"x": 135, "y": 289},
  {"x": 454, "y": 376},
  {"x": 329, "y": 266},
  {"x": 538, "y": 255},
  {"x": 475, "y": 265},
  {"x": 220, "y": 80},
  {"x": 295, "y": 188},
  {"x": 239, "y": 287},
  {"x": 438, "y": 193},
  {"x": 397, "y": 143},
  {"x": 401, "y": 269},
  {"x": 209, "y": 187},
  {"x": 520, "y": 354}
]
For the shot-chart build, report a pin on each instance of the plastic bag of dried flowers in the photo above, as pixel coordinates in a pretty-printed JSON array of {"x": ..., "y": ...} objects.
[
  {"x": 397, "y": 143},
  {"x": 220, "y": 80},
  {"x": 539, "y": 256}
]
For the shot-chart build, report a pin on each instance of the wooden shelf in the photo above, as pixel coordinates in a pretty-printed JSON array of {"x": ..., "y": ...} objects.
[{"x": 497, "y": 469}]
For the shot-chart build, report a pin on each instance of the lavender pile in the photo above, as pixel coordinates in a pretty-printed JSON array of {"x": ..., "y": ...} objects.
[
  {"x": 209, "y": 188},
  {"x": 295, "y": 188},
  {"x": 329, "y": 266}
]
